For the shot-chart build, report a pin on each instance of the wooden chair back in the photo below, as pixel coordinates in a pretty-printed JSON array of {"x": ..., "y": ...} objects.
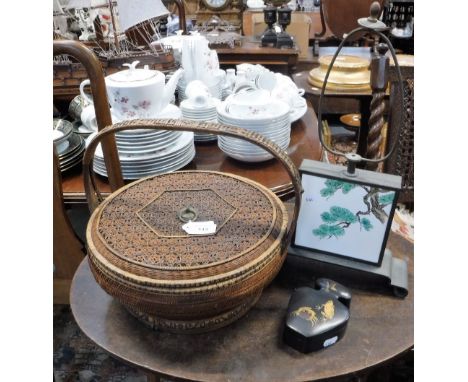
[
  {"x": 68, "y": 249},
  {"x": 401, "y": 162}
]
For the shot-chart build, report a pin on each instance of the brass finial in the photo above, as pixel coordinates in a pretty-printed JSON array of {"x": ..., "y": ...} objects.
[
  {"x": 373, "y": 22},
  {"x": 374, "y": 11}
]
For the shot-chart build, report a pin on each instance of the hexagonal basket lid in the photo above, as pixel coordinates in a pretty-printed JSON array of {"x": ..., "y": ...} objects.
[
  {"x": 167, "y": 212},
  {"x": 142, "y": 222}
]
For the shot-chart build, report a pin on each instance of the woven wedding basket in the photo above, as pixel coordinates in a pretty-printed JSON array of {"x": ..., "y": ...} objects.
[{"x": 173, "y": 281}]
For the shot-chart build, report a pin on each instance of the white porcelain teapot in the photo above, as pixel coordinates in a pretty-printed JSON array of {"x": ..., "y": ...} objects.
[{"x": 137, "y": 93}]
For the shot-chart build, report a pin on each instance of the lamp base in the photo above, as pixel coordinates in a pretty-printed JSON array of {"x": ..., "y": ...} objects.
[
  {"x": 391, "y": 275},
  {"x": 284, "y": 40},
  {"x": 269, "y": 38}
]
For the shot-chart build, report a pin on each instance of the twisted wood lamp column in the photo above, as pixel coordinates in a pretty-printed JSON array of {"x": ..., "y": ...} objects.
[{"x": 379, "y": 79}]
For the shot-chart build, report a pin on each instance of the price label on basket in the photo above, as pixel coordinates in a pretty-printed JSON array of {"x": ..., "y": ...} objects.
[{"x": 199, "y": 228}]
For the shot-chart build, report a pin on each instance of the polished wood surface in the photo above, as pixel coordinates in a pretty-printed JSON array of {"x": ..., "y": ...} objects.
[
  {"x": 380, "y": 328},
  {"x": 341, "y": 15},
  {"x": 251, "y": 52},
  {"x": 304, "y": 145}
]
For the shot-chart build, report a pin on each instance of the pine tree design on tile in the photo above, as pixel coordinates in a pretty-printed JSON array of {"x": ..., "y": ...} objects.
[{"x": 338, "y": 218}]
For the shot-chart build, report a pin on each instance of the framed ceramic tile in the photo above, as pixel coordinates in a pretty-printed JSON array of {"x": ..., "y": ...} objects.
[{"x": 346, "y": 216}]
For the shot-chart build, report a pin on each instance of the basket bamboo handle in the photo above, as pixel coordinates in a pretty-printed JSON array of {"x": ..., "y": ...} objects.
[{"x": 94, "y": 197}]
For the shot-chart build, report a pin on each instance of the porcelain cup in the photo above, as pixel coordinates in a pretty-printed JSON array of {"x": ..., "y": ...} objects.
[
  {"x": 88, "y": 118},
  {"x": 282, "y": 80},
  {"x": 285, "y": 94},
  {"x": 76, "y": 106},
  {"x": 250, "y": 71},
  {"x": 196, "y": 87}
]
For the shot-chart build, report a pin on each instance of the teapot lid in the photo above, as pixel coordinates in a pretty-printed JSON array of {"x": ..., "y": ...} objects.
[{"x": 132, "y": 74}]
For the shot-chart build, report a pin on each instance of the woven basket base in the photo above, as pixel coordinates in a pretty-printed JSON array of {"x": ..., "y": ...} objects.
[{"x": 196, "y": 326}]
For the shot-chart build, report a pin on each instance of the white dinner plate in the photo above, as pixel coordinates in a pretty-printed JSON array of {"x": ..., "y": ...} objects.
[
  {"x": 155, "y": 171},
  {"x": 185, "y": 138}
]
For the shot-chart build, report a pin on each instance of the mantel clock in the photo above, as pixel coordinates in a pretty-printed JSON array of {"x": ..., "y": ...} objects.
[{"x": 216, "y": 5}]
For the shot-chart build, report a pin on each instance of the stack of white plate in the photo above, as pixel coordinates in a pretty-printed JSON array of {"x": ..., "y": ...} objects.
[
  {"x": 134, "y": 142},
  {"x": 269, "y": 119},
  {"x": 146, "y": 152},
  {"x": 205, "y": 113},
  {"x": 140, "y": 164}
]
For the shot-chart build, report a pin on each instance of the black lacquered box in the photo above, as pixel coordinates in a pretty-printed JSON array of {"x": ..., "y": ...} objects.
[{"x": 315, "y": 320}]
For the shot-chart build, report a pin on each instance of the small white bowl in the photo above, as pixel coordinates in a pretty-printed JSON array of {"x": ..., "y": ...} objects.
[{"x": 62, "y": 130}]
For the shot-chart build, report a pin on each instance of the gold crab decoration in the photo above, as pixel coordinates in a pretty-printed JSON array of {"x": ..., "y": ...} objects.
[
  {"x": 327, "y": 312},
  {"x": 331, "y": 286},
  {"x": 307, "y": 313}
]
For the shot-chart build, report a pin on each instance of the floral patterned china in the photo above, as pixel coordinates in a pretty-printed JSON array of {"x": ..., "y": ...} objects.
[{"x": 138, "y": 93}]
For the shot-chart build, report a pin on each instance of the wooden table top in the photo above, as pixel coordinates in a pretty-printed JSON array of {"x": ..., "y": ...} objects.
[
  {"x": 304, "y": 145},
  {"x": 251, "y": 349}
]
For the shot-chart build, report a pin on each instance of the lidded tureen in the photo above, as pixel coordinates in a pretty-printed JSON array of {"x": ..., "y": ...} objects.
[
  {"x": 188, "y": 251},
  {"x": 138, "y": 92}
]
